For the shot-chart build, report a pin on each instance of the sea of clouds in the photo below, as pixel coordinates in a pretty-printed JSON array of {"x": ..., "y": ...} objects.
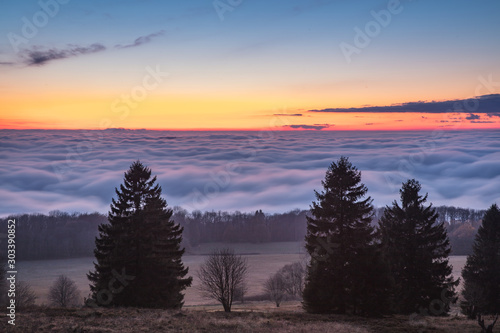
[{"x": 77, "y": 171}]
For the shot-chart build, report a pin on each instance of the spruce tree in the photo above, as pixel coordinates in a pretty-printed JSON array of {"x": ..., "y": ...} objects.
[
  {"x": 417, "y": 249},
  {"x": 345, "y": 273},
  {"x": 481, "y": 273},
  {"x": 138, "y": 252}
]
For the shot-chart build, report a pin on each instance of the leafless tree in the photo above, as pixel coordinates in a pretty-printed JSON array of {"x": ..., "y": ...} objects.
[
  {"x": 293, "y": 278},
  {"x": 222, "y": 275},
  {"x": 275, "y": 288},
  {"x": 488, "y": 329},
  {"x": 64, "y": 292},
  {"x": 25, "y": 296}
]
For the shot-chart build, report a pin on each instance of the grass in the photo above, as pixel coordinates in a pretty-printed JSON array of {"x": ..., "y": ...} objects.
[{"x": 256, "y": 318}]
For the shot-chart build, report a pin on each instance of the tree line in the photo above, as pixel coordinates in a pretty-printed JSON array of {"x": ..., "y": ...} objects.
[
  {"x": 60, "y": 235},
  {"x": 399, "y": 266}
]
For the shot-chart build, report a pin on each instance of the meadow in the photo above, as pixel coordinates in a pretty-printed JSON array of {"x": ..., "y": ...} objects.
[
  {"x": 204, "y": 315},
  {"x": 263, "y": 259}
]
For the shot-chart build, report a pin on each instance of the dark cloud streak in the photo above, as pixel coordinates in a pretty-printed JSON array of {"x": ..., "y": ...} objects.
[
  {"x": 489, "y": 104},
  {"x": 317, "y": 127},
  {"x": 40, "y": 57},
  {"x": 141, "y": 40}
]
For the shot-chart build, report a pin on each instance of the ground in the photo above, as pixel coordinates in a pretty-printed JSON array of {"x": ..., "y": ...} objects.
[
  {"x": 250, "y": 317},
  {"x": 202, "y": 315}
]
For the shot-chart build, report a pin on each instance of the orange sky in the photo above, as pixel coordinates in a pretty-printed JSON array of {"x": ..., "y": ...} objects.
[
  {"x": 184, "y": 113},
  {"x": 168, "y": 65}
]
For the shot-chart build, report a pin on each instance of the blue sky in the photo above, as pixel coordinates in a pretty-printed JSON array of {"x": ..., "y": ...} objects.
[{"x": 260, "y": 57}]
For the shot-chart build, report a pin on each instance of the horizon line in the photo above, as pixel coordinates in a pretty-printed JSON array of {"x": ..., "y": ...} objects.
[{"x": 265, "y": 129}]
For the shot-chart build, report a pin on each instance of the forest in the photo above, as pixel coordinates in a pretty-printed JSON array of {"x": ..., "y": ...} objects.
[{"x": 61, "y": 235}]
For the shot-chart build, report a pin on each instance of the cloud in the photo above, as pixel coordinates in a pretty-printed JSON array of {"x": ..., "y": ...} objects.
[
  {"x": 38, "y": 56},
  {"x": 472, "y": 116},
  {"x": 142, "y": 40},
  {"x": 44, "y": 170},
  {"x": 288, "y": 114},
  {"x": 489, "y": 104},
  {"x": 317, "y": 127}
]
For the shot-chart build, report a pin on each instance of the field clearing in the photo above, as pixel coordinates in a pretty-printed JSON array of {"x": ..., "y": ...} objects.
[{"x": 263, "y": 259}]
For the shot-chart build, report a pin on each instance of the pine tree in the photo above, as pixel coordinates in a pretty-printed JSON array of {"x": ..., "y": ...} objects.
[
  {"x": 340, "y": 240},
  {"x": 417, "y": 249},
  {"x": 138, "y": 253},
  {"x": 481, "y": 273}
]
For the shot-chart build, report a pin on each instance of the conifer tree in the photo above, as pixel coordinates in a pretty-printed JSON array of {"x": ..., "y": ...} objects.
[
  {"x": 340, "y": 240},
  {"x": 138, "y": 253},
  {"x": 481, "y": 273},
  {"x": 417, "y": 249}
]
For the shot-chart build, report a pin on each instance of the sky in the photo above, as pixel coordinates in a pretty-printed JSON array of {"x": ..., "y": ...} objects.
[
  {"x": 276, "y": 171},
  {"x": 236, "y": 64}
]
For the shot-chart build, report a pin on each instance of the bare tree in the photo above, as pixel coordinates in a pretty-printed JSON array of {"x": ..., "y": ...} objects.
[
  {"x": 25, "y": 296},
  {"x": 293, "y": 278},
  {"x": 222, "y": 276},
  {"x": 275, "y": 288},
  {"x": 489, "y": 328},
  {"x": 64, "y": 292}
]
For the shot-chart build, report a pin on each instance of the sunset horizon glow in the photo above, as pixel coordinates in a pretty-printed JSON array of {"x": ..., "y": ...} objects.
[{"x": 248, "y": 65}]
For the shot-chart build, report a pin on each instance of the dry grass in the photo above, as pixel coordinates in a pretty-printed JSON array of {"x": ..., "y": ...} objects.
[{"x": 200, "y": 319}]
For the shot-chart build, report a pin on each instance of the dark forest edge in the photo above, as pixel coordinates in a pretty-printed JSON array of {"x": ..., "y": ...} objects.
[{"x": 61, "y": 235}]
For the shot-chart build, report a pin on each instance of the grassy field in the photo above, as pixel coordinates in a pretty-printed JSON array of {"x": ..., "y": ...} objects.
[
  {"x": 289, "y": 319},
  {"x": 263, "y": 259},
  {"x": 202, "y": 315}
]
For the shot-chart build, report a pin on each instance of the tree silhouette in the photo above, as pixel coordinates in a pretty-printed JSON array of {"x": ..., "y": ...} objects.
[
  {"x": 138, "y": 253},
  {"x": 223, "y": 276},
  {"x": 275, "y": 288},
  {"x": 64, "y": 292},
  {"x": 417, "y": 249},
  {"x": 293, "y": 278},
  {"x": 340, "y": 241},
  {"x": 481, "y": 273},
  {"x": 25, "y": 296}
]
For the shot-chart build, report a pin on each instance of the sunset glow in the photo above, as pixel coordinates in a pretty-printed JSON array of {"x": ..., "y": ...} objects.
[{"x": 188, "y": 66}]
